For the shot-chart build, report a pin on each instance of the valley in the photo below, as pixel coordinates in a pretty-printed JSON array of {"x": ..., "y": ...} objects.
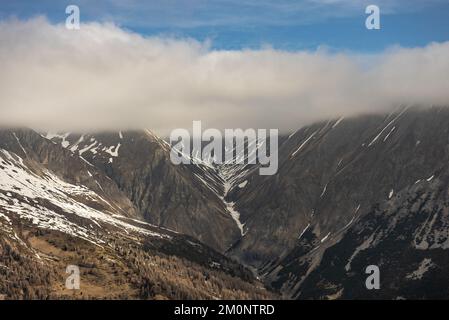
[{"x": 349, "y": 192}]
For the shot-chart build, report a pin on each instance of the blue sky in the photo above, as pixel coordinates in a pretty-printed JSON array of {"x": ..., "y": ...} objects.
[{"x": 283, "y": 24}]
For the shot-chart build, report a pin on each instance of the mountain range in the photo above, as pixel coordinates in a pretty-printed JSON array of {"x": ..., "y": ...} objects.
[{"x": 349, "y": 192}]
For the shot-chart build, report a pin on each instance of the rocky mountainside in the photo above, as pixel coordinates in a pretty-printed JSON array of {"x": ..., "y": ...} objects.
[
  {"x": 182, "y": 198},
  {"x": 57, "y": 209},
  {"x": 349, "y": 192}
]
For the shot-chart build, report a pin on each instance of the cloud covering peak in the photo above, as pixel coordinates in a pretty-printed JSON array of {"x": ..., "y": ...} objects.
[{"x": 103, "y": 77}]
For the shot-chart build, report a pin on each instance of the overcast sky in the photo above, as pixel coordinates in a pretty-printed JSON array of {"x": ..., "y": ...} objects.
[{"x": 108, "y": 75}]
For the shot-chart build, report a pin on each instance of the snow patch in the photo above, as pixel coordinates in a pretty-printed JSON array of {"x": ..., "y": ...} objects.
[
  {"x": 423, "y": 267},
  {"x": 243, "y": 184},
  {"x": 391, "y": 131},
  {"x": 113, "y": 151},
  {"x": 230, "y": 208},
  {"x": 337, "y": 122},
  {"x": 388, "y": 125},
  {"x": 325, "y": 238},
  {"x": 324, "y": 191},
  {"x": 390, "y": 194},
  {"x": 38, "y": 190},
  {"x": 304, "y": 231},
  {"x": 303, "y": 144}
]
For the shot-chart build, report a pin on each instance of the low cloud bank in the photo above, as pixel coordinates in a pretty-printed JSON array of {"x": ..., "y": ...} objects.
[{"x": 102, "y": 77}]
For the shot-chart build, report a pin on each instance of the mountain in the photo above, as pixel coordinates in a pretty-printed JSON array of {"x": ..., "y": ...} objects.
[
  {"x": 349, "y": 193},
  {"x": 164, "y": 194},
  {"x": 57, "y": 209}
]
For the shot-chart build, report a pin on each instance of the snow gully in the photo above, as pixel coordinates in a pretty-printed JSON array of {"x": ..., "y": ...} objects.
[{"x": 209, "y": 145}]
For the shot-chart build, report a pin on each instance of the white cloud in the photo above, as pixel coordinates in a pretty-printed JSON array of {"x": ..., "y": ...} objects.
[{"x": 102, "y": 77}]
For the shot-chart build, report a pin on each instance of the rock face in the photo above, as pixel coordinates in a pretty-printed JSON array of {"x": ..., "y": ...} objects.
[
  {"x": 164, "y": 194},
  {"x": 29, "y": 145},
  {"x": 406, "y": 237},
  {"x": 57, "y": 209},
  {"x": 349, "y": 193}
]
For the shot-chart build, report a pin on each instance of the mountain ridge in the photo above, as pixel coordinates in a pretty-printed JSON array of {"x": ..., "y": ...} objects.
[{"x": 345, "y": 188}]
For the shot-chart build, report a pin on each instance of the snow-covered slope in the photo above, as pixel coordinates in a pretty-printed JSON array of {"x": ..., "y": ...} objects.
[
  {"x": 34, "y": 194},
  {"x": 349, "y": 191},
  {"x": 58, "y": 209},
  {"x": 186, "y": 198},
  {"x": 332, "y": 175}
]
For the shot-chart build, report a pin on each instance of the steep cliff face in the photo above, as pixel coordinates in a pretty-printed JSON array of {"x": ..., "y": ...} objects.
[
  {"x": 331, "y": 176},
  {"x": 368, "y": 190},
  {"x": 406, "y": 237},
  {"x": 185, "y": 198},
  {"x": 57, "y": 210},
  {"x": 40, "y": 152}
]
